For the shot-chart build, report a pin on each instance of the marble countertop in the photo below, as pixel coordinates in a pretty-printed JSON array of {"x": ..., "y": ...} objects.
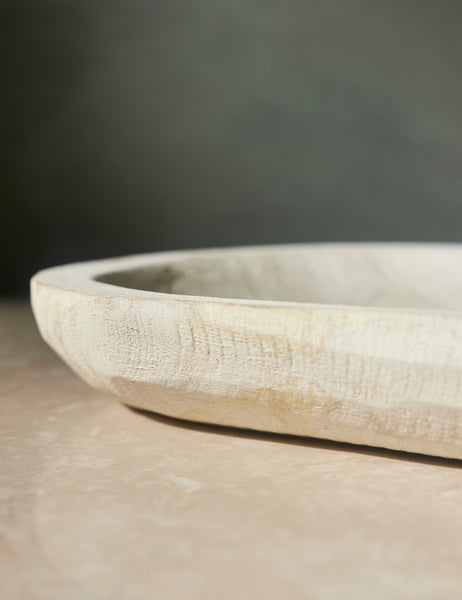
[{"x": 101, "y": 501}]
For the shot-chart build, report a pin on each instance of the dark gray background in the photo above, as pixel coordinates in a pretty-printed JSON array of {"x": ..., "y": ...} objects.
[{"x": 144, "y": 125}]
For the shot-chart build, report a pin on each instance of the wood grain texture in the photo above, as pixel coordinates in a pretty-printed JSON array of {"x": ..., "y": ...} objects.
[{"x": 358, "y": 343}]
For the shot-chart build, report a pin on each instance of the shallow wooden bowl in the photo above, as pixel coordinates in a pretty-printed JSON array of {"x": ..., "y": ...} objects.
[{"x": 358, "y": 343}]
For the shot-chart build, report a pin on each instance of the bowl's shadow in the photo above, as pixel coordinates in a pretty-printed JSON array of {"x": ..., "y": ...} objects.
[{"x": 308, "y": 442}]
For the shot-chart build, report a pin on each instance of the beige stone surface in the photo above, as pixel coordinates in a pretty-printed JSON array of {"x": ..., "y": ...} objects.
[{"x": 100, "y": 501}]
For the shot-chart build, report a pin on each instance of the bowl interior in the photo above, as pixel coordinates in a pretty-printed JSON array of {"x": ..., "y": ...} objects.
[{"x": 393, "y": 275}]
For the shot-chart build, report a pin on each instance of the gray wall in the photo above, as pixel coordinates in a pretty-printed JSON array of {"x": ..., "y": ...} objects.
[{"x": 139, "y": 125}]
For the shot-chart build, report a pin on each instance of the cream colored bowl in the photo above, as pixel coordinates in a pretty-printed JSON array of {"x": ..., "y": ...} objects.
[{"x": 358, "y": 343}]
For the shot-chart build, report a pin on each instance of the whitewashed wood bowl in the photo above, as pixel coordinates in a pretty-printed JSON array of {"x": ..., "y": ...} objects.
[{"x": 358, "y": 343}]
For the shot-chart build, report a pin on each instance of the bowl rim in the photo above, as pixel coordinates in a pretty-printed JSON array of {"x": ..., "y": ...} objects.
[{"x": 83, "y": 277}]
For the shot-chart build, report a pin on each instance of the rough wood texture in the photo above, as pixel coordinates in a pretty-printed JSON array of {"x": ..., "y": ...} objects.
[{"x": 357, "y": 343}]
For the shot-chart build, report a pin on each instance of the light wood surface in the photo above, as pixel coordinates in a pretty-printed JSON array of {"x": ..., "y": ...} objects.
[
  {"x": 358, "y": 343},
  {"x": 99, "y": 501}
]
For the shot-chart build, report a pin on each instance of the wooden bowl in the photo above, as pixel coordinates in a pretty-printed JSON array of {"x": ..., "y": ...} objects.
[{"x": 358, "y": 343}]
